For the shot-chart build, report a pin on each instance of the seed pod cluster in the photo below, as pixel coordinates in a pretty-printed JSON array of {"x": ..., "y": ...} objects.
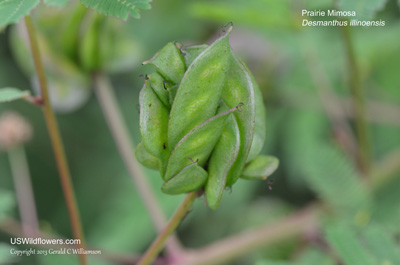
[{"x": 202, "y": 120}]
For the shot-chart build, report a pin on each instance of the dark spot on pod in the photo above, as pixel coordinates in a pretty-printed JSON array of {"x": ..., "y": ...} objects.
[
  {"x": 239, "y": 106},
  {"x": 149, "y": 105},
  {"x": 229, "y": 24},
  {"x": 166, "y": 83},
  {"x": 226, "y": 26},
  {"x": 164, "y": 146},
  {"x": 191, "y": 160},
  {"x": 145, "y": 77},
  {"x": 179, "y": 46}
]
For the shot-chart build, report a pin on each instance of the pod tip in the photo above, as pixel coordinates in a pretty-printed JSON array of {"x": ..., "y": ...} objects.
[{"x": 227, "y": 28}]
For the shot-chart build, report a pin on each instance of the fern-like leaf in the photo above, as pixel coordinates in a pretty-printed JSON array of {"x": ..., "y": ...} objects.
[
  {"x": 58, "y": 3},
  {"x": 118, "y": 8},
  {"x": 381, "y": 245},
  {"x": 266, "y": 13},
  {"x": 365, "y": 9},
  {"x": 386, "y": 207},
  {"x": 13, "y": 10},
  {"x": 347, "y": 246},
  {"x": 322, "y": 166}
]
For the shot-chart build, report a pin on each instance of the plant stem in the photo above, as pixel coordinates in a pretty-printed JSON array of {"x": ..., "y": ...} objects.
[
  {"x": 377, "y": 112},
  {"x": 56, "y": 141},
  {"x": 158, "y": 244},
  {"x": 359, "y": 104},
  {"x": 333, "y": 107},
  {"x": 109, "y": 106},
  {"x": 23, "y": 189},
  {"x": 235, "y": 246}
]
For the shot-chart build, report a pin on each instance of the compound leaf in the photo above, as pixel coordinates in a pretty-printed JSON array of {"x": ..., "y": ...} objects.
[
  {"x": 58, "y": 3},
  {"x": 348, "y": 246},
  {"x": 13, "y": 10},
  {"x": 118, "y": 8}
]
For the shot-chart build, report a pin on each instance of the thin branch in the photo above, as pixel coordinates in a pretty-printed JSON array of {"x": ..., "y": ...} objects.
[
  {"x": 376, "y": 112},
  {"x": 236, "y": 246},
  {"x": 158, "y": 244},
  {"x": 330, "y": 102},
  {"x": 109, "y": 106},
  {"x": 56, "y": 141},
  {"x": 358, "y": 101},
  {"x": 35, "y": 100},
  {"x": 24, "y": 191}
]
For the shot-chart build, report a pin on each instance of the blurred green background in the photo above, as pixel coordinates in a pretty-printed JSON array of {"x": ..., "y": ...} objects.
[{"x": 294, "y": 66}]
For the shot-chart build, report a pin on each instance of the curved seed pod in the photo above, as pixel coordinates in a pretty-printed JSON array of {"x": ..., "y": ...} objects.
[
  {"x": 188, "y": 179},
  {"x": 190, "y": 53},
  {"x": 89, "y": 53},
  {"x": 169, "y": 63},
  {"x": 238, "y": 87},
  {"x": 158, "y": 85},
  {"x": 69, "y": 88},
  {"x": 69, "y": 39},
  {"x": 260, "y": 168},
  {"x": 153, "y": 123},
  {"x": 260, "y": 129},
  {"x": 224, "y": 155},
  {"x": 199, "y": 92},
  {"x": 145, "y": 158},
  {"x": 197, "y": 144}
]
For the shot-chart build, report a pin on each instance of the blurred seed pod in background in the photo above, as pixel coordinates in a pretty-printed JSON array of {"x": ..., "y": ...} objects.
[
  {"x": 69, "y": 89},
  {"x": 75, "y": 42},
  {"x": 202, "y": 120}
]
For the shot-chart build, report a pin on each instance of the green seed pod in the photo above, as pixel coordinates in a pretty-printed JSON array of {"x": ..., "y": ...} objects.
[
  {"x": 188, "y": 179},
  {"x": 191, "y": 52},
  {"x": 69, "y": 88},
  {"x": 145, "y": 158},
  {"x": 238, "y": 87},
  {"x": 197, "y": 144},
  {"x": 224, "y": 155},
  {"x": 159, "y": 86},
  {"x": 153, "y": 124},
  {"x": 199, "y": 91},
  {"x": 260, "y": 168},
  {"x": 89, "y": 52},
  {"x": 260, "y": 122},
  {"x": 202, "y": 119},
  {"x": 169, "y": 63}
]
